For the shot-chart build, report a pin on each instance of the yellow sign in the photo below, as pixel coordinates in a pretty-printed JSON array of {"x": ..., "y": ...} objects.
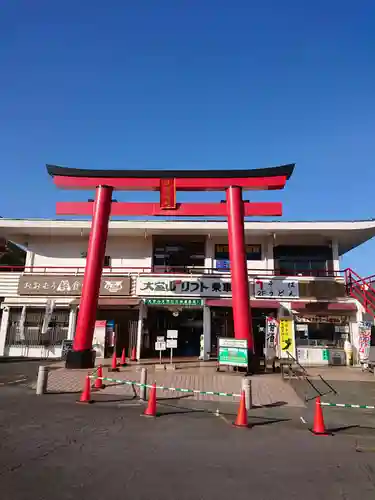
[{"x": 286, "y": 336}]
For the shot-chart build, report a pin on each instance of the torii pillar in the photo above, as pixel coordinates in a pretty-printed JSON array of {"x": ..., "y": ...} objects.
[{"x": 104, "y": 182}]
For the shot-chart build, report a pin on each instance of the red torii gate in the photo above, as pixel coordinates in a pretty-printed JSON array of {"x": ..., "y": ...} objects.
[{"x": 167, "y": 182}]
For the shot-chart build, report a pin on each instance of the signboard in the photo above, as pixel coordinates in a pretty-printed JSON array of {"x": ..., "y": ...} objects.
[
  {"x": 70, "y": 285},
  {"x": 337, "y": 320},
  {"x": 174, "y": 302},
  {"x": 171, "y": 343},
  {"x": 172, "y": 334},
  {"x": 160, "y": 346},
  {"x": 160, "y": 339},
  {"x": 233, "y": 352},
  {"x": 271, "y": 332},
  {"x": 364, "y": 342},
  {"x": 187, "y": 286},
  {"x": 168, "y": 194},
  {"x": 276, "y": 288},
  {"x": 286, "y": 333},
  {"x": 66, "y": 346}
]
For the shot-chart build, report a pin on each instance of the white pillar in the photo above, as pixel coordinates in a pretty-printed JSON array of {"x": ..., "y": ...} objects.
[
  {"x": 142, "y": 312},
  {"x": 206, "y": 332},
  {"x": 209, "y": 255},
  {"x": 335, "y": 256},
  {"x": 4, "y": 329},
  {"x": 268, "y": 254},
  {"x": 72, "y": 322}
]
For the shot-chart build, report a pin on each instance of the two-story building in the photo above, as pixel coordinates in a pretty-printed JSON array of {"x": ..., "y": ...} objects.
[{"x": 162, "y": 275}]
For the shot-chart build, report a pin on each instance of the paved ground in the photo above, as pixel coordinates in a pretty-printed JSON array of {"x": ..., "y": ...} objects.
[
  {"x": 267, "y": 389},
  {"x": 52, "y": 447},
  {"x": 17, "y": 371}
]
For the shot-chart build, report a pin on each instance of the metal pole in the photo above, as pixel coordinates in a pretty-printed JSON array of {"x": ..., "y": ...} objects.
[
  {"x": 41, "y": 383},
  {"x": 171, "y": 356},
  {"x": 142, "y": 390},
  {"x": 246, "y": 387}
]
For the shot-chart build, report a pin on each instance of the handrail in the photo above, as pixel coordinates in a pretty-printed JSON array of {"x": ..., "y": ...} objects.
[
  {"x": 357, "y": 290},
  {"x": 306, "y": 377},
  {"x": 160, "y": 270}
]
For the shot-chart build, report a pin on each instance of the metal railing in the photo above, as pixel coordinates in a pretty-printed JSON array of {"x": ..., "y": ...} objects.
[{"x": 170, "y": 270}]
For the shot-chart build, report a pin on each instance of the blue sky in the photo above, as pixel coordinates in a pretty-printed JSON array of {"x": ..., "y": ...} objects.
[{"x": 206, "y": 84}]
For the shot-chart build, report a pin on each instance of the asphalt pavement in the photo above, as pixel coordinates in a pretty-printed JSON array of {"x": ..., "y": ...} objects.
[{"x": 53, "y": 447}]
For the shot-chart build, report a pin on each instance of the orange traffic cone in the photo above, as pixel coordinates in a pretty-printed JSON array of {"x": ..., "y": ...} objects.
[
  {"x": 99, "y": 380},
  {"x": 241, "y": 420},
  {"x": 150, "y": 411},
  {"x": 134, "y": 355},
  {"x": 319, "y": 427},
  {"x": 86, "y": 396},
  {"x": 123, "y": 357},
  {"x": 114, "y": 362}
]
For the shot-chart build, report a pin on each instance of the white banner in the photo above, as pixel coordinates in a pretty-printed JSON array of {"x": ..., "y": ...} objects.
[{"x": 47, "y": 315}]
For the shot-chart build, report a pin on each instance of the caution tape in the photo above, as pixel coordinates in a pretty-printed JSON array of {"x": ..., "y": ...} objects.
[
  {"x": 342, "y": 405},
  {"x": 161, "y": 387}
]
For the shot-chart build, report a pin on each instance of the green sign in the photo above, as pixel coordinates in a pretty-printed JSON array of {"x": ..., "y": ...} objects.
[
  {"x": 233, "y": 356},
  {"x": 325, "y": 355},
  {"x": 174, "y": 302}
]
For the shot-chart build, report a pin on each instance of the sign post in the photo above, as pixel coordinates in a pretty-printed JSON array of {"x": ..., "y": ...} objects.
[
  {"x": 160, "y": 346},
  {"x": 172, "y": 336}
]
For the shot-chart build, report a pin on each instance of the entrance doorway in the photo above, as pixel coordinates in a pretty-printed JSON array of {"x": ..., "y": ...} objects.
[
  {"x": 222, "y": 326},
  {"x": 188, "y": 322},
  {"x": 125, "y": 328}
]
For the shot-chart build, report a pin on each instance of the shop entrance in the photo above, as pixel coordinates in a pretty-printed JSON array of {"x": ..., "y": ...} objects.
[
  {"x": 125, "y": 323},
  {"x": 222, "y": 326},
  {"x": 188, "y": 322}
]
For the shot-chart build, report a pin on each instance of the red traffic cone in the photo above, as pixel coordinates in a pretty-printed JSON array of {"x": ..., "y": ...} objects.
[
  {"x": 150, "y": 411},
  {"x": 241, "y": 420},
  {"x": 99, "y": 380},
  {"x": 123, "y": 357},
  {"x": 134, "y": 355},
  {"x": 114, "y": 362},
  {"x": 319, "y": 427},
  {"x": 86, "y": 396}
]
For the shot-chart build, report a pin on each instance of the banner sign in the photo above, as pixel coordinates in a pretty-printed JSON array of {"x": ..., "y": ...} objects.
[
  {"x": 286, "y": 333},
  {"x": 276, "y": 288}
]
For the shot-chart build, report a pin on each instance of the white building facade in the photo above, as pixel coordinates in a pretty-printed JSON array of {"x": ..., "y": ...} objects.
[{"x": 162, "y": 275}]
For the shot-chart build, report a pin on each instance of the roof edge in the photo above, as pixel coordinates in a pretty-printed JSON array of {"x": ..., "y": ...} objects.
[{"x": 281, "y": 170}]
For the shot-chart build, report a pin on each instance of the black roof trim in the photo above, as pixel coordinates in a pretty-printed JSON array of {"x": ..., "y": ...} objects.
[{"x": 282, "y": 170}]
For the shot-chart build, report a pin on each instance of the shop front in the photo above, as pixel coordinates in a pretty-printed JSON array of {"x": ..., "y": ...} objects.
[
  {"x": 321, "y": 330},
  {"x": 178, "y": 303},
  {"x": 222, "y": 321}
]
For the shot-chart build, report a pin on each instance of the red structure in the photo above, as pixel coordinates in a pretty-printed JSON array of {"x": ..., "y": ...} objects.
[{"x": 104, "y": 182}]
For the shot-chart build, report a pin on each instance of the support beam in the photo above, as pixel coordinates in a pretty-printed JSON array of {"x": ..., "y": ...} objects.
[
  {"x": 238, "y": 265},
  {"x": 259, "y": 209},
  {"x": 82, "y": 355},
  {"x": 182, "y": 184}
]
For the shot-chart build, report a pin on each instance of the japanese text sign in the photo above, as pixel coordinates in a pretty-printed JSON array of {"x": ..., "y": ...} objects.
[
  {"x": 187, "y": 286},
  {"x": 70, "y": 285},
  {"x": 276, "y": 287}
]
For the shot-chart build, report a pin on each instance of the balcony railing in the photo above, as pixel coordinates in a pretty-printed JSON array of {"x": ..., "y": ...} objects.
[{"x": 170, "y": 270}]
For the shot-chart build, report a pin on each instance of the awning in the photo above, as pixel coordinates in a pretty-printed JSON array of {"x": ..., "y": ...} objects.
[
  {"x": 313, "y": 307},
  {"x": 256, "y": 304},
  {"x": 113, "y": 302}
]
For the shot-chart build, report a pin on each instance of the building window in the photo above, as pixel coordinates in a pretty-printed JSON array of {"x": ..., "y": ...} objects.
[
  {"x": 30, "y": 332},
  {"x": 321, "y": 334},
  {"x": 303, "y": 260},
  {"x": 178, "y": 255},
  {"x": 107, "y": 261},
  {"x": 253, "y": 252}
]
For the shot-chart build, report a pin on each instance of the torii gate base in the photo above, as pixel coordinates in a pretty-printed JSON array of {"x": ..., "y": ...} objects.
[{"x": 167, "y": 182}]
